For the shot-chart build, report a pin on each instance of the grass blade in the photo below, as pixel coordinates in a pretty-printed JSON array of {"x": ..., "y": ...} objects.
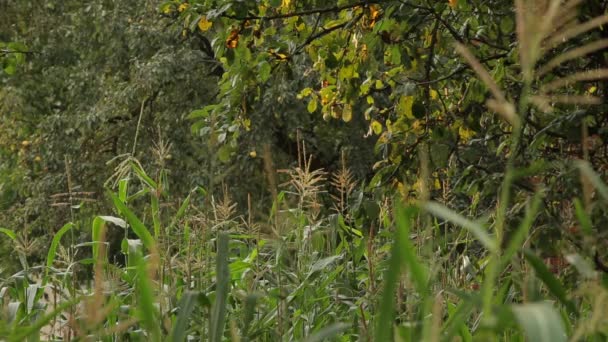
[
  {"x": 145, "y": 297},
  {"x": 22, "y": 333},
  {"x": 583, "y": 218},
  {"x": 397, "y": 262},
  {"x": 403, "y": 219},
  {"x": 594, "y": 178},
  {"x": 222, "y": 274},
  {"x": 138, "y": 227},
  {"x": 552, "y": 283},
  {"x": 328, "y": 332},
  {"x": 50, "y": 258},
  {"x": 520, "y": 235},
  {"x": 475, "y": 228},
  {"x": 186, "y": 305},
  {"x": 249, "y": 312},
  {"x": 9, "y": 233},
  {"x": 541, "y": 322}
]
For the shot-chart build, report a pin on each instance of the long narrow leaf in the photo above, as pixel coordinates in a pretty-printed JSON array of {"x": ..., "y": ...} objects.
[
  {"x": 222, "y": 274},
  {"x": 138, "y": 227},
  {"x": 328, "y": 332},
  {"x": 403, "y": 218},
  {"x": 145, "y": 304},
  {"x": 9, "y": 233},
  {"x": 186, "y": 305},
  {"x": 520, "y": 235},
  {"x": 541, "y": 322},
  {"x": 475, "y": 228},
  {"x": 594, "y": 178},
  {"x": 384, "y": 325},
  {"x": 50, "y": 258},
  {"x": 552, "y": 283}
]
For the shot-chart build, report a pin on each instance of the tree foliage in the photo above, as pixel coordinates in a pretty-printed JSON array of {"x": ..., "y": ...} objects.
[
  {"x": 390, "y": 68},
  {"x": 94, "y": 77}
]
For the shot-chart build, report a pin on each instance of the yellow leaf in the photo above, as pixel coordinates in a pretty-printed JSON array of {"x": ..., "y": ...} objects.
[
  {"x": 453, "y": 3},
  {"x": 433, "y": 94},
  {"x": 417, "y": 126},
  {"x": 592, "y": 89},
  {"x": 374, "y": 11},
  {"x": 402, "y": 190},
  {"x": 166, "y": 9},
  {"x": 247, "y": 124},
  {"x": 419, "y": 185},
  {"x": 347, "y": 113},
  {"x": 437, "y": 184},
  {"x": 183, "y": 7},
  {"x": 204, "y": 24},
  {"x": 465, "y": 133},
  {"x": 253, "y": 154},
  {"x": 404, "y": 106},
  {"x": 376, "y": 127}
]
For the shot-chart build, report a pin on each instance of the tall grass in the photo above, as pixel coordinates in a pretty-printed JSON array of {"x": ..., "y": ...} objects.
[{"x": 202, "y": 271}]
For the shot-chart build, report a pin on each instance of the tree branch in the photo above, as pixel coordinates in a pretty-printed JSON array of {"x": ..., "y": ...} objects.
[{"x": 303, "y": 13}]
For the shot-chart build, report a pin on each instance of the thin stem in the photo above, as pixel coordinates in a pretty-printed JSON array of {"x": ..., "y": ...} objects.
[{"x": 493, "y": 270}]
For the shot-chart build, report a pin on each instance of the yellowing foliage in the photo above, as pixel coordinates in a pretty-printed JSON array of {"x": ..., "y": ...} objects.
[
  {"x": 204, "y": 24},
  {"x": 183, "y": 7},
  {"x": 465, "y": 134},
  {"x": 233, "y": 39},
  {"x": 347, "y": 113},
  {"x": 374, "y": 15},
  {"x": 376, "y": 127}
]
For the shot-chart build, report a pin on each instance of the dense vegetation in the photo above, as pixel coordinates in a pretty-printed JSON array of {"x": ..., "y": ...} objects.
[{"x": 303, "y": 170}]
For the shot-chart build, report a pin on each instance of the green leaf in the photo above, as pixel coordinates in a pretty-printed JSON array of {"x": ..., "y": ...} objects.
[
  {"x": 249, "y": 312},
  {"x": 155, "y": 207},
  {"x": 583, "y": 218},
  {"x": 9, "y": 233},
  {"x": 541, "y": 322},
  {"x": 222, "y": 273},
  {"x": 33, "y": 331},
  {"x": 475, "y": 228},
  {"x": 396, "y": 55},
  {"x": 264, "y": 70},
  {"x": 181, "y": 211},
  {"x": 10, "y": 68},
  {"x": 582, "y": 265},
  {"x": 145, "y": 304},
  {"x": 50, "y": 258},
  {"x": 186, "y": 306},
  {"x": 402, "y": 254},
  {"x": 327, "y": 333},
  {"x": 312, "y": 105},
  {"x": 553, "y": 284},
  {"x": 594, "y": 178},
  {"x": 223, "y": 154},
  {"x": 403, "y": 217},
  {"x": 138, "y": 227},
  {"x": 521, "y": 234},
  {"x": 143, "y": 176}
]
